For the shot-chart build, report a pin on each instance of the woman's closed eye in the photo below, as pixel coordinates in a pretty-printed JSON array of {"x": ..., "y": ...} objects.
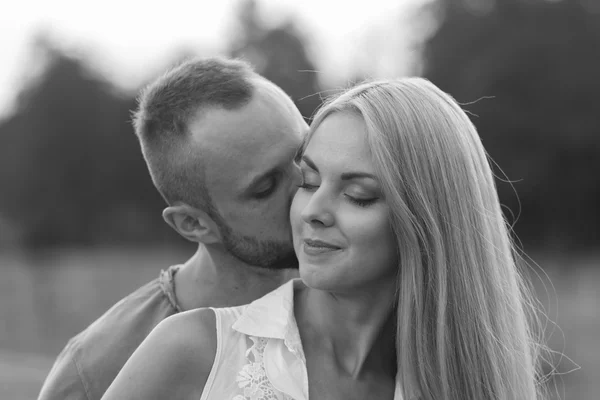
[
  {"x": 361, "y": 195},
  {"x": 308, "y": 180},
  {"x": 307, "y": 186},
  {"x": 360, "y": 201},
  {"x": 356, "y": 199},
  {"x": 358, "y": 195}
]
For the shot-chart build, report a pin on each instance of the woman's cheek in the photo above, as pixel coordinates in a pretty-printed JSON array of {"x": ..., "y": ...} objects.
[{"x": 298, "y": 203}]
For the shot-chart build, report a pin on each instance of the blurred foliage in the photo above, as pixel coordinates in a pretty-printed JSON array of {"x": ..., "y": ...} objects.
[
  {"x": 278, "y": 54},
  {"x": 70, "y": 167},
  {"x": 71, "y": 172},
  {"x": 533, "y": 66}
]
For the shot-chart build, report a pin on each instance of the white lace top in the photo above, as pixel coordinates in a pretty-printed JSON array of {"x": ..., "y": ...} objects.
[{"x": 259, "y": 353}]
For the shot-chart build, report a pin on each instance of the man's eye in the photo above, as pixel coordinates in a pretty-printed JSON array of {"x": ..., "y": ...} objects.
[{"x": 266, "y": 189}]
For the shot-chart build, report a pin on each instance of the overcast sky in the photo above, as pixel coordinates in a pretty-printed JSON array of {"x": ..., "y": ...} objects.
[{"x": 125, "y": 37}]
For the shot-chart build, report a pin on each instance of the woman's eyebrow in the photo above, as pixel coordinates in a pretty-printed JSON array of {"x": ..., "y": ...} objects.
[
  {"x": 345, "y": 176},
  {"x": 309, "y": 162},
  {"x": 353, "y": 175}
]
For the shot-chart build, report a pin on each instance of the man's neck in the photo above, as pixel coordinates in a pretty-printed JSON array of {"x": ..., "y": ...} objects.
[{"x": 212, "y": 278}]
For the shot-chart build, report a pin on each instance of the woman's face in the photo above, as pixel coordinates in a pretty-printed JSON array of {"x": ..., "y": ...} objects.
[{"x": 340, "y": 221}]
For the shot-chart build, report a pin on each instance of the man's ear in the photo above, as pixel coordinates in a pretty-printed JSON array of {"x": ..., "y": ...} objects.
[{"x": 192, "y": 223}]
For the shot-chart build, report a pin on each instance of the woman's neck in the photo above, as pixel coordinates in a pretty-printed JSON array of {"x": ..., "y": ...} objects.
[{"x": 358, "y": 328}]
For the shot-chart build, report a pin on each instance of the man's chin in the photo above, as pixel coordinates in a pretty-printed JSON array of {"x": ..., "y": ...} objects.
[
  {"x": 281, "y": 262},
  {"x": 266, "y": 260},
  {"x": 262, "y": 254},
  {"x": 288, "y": 262}
]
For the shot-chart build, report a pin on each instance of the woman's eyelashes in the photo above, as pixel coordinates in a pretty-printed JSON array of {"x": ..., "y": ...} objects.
[
  {"x": 306, "y": 186},
  {"x": 359, "y": 201}
]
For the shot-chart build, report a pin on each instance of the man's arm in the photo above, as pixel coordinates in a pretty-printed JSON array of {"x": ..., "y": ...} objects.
[
  {"x": 92, "y": 359},
  {"x": 64, "y": 381},
  {"x": 173, "y": 362}
]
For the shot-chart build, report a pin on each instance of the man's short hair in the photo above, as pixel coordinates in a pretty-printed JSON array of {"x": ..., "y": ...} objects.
[{"x": 162, "y": 119}]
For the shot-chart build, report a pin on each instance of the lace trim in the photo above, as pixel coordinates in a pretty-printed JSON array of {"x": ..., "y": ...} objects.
[{"x": 252, "y": 379}]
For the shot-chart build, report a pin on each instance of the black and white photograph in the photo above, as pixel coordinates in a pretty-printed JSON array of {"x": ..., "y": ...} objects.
[{"x": 294, "y": 200}]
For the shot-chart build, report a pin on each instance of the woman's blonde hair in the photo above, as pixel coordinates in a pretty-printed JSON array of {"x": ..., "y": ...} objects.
[{"x": 463, "y": 316}]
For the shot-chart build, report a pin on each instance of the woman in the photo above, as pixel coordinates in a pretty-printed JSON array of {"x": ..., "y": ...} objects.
[{"x": 408, "y": 285}]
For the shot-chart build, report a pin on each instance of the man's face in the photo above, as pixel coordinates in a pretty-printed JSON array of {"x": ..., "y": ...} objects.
[{"x": 250, "y": 175}]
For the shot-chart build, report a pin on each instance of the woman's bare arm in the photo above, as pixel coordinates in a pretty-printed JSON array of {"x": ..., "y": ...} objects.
[{"x": 173, "y": 362}]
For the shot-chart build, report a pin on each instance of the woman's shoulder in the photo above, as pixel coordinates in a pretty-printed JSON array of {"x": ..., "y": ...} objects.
[
  {"x": 186, "y": 343},
  {"x": 190, "y": 332},
  {"x": 201, "y": 318},
  {"x": 173, "y": 362}
]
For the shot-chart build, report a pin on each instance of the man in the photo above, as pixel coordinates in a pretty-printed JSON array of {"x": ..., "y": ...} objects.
[{"x": 219, "y": 141}]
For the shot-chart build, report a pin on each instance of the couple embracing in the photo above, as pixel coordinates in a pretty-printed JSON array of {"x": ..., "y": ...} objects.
[{"x": 365, "y": 257}]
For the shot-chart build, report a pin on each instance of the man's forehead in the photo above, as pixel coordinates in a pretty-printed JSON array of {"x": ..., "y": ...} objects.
[
  {"x": 253, "y": 125},
  {"x": 239, "y": 145},
  {"x": 232, "y": 169}
]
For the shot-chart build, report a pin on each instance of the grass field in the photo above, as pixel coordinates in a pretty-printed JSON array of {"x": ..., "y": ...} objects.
[{"x": 47, "y": 298}]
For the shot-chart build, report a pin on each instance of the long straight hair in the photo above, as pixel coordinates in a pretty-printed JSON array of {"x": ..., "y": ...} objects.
[{"x": 464, "y": 326}]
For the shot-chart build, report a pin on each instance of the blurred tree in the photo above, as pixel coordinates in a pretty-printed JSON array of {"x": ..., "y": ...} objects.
[
  {"x": 538, "y": 60},
  {"x": 70, "y": 167},
  {"x": 279, "y": 54},
  {"x": 71, "y": 172}
]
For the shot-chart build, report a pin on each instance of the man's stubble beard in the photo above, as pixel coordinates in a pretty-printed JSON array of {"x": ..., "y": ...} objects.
[{"x": 268, "y": 254}]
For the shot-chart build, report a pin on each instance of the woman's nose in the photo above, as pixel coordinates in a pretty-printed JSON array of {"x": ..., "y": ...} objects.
[{"x": 318, "y": 210}]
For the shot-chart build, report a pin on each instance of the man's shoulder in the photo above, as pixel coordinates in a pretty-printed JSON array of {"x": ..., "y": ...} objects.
[
  {"x": 127, "y": 323},
  {"x": 100, "y": 351}
]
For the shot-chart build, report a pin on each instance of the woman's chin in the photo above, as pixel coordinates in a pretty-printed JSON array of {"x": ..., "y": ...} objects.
[{"x": 318, "y": 276}]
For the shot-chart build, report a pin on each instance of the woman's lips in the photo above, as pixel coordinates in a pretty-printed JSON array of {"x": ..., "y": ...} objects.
[{"x": 316, "y": 247}]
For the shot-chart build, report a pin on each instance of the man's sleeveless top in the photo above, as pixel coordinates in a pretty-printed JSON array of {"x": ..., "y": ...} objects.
[{"x": 259, "y": 353}]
